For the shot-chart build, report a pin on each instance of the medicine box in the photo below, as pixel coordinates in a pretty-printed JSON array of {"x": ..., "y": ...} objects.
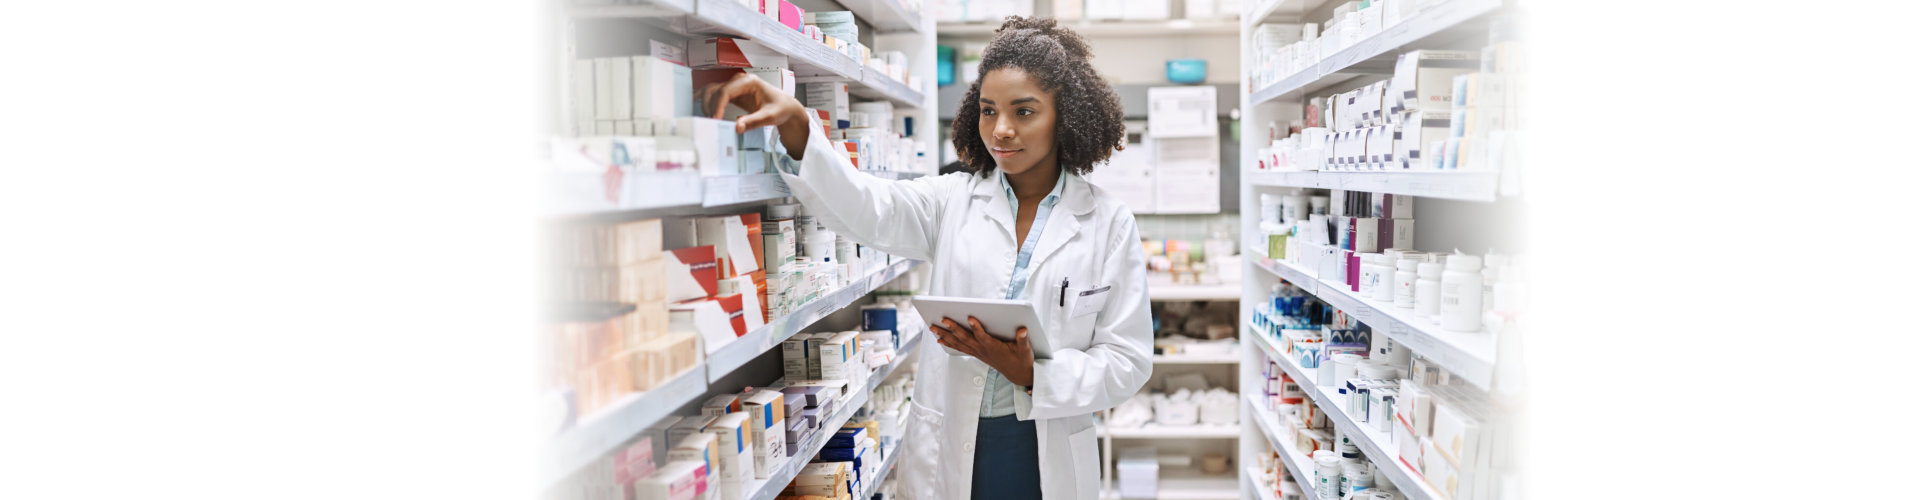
[
  {"x": 612, "y": 90},
  {"x": 734, "y": 253},
  {"x": 1423, "y": 79},
  {"x": 735, "y": 452},
  {"x": 837, "y": 354},
  {"x": 767, "y": 412},
  {"x": 714, "y": 143},
  {"x": 676, "y": 480},
  {"x": 829, "y": 96},
  {"x": 659, "y": 89},
  {"x": 828, "y": 479},
  {"x": 794, "y": 357},
  {"x": 692, "y": 273},
  {"x": 727, "y": 52}
]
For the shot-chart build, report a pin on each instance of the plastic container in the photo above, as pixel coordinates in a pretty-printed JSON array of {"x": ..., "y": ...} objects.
[
  {"x": 1403, "y": 278},
  {"x": 1460, "y": 294},
  {"x": 1383, "y": 278},
  {"x": 1270, "y": 209},
  {"x": 1490, "y": 275},
  {"x": 1317, "y": 205},
  {"x": 1326, "y": 474},
  {"x": 1354, "y": 478},
  {"x": 1426, "y": 290},
  {"x": 1293, "y": 208},
  {"x": 1345, "y": 366}
]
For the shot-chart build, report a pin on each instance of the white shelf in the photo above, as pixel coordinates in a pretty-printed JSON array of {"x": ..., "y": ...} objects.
[
  {"x": 1342, "y": 65},
  {"x": 906, "y": 348},
  {"x": 1197, "y": 359},
  {"x": 1252, "y": 483},
  {"x": 1451, "y": 185},
  {"x": 596, "y": 435},
  {"x": 886, "y": 16},
  {"x": 770, "y": 488},
  {"x": 1467, "y": 355},
  {"x": 1225, "y": 291},
  {"x": 1288, "y": 11},
  {"x": 807, "y": 59},
  {"x": 878, "y": 86},
  {"x": 1296, "y": 463},
  {"x": 1157, "y": 431},
  {"x": 747, "y": 347},
  {"x": 1171, "y": 27},
  {"x": 1191, "y": 484},
  {"x": 1375, "y": 444},
  {"x": 872, "y": 485}
]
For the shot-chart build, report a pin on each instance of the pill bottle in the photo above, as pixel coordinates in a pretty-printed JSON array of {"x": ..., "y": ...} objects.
[
  {"x": 1326, "y": 474},
  {"x": 1317, "y": 205},
  {"x": 1269, "y": 209},
  {"x": 1383, "y": 286},
  {"x": 1460, "y": 294},
  {"x": 1426, "y": 290},
  {"x": 1489, "y": 275},
  {"x": 1403, "y": 278},
  {"x": 1354, "y": 478},
  {"x": 1293, "y": 208}
]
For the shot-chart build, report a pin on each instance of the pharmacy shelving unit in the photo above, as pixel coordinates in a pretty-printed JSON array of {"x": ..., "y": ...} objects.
[
  {"x": 1179, "y": 483},
  {"x": 1468, "y": 356},
  {"x": 583, "y": 31}
]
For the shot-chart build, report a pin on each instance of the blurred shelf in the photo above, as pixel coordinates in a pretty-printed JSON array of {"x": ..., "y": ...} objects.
[
  {"x": 1224, "y": 291},
  {"x": 747, "y": 347},
  {"x": 1280, "y": 11},
  {"x": 898, "y": 176},
  {"x": 808, "y": 59},
  {"x": 1375, "y": 444},
  {"x": 1197, "y": 359},
  {"x": 1157, "y": 431},
  {"x": 1190, "y": 484},
  {"x": 1467, "y": 355},
  {"x": 1116, "y": 28},
  {"x": 595, "y": 435},
  {"x": 1434, "y": 27},
  {"x": 886, "y": 16},
  {"x": 1452, "y": 185},
  {"x": 872, "y": 486},
  {"x": 906, "y": 348},
  {"x": 1269, "y": 423}
]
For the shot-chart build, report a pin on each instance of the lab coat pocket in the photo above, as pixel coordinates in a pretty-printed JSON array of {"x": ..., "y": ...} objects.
[
  {"x": 923, "y": 453},
  {"x": 1083, "y": 308},
  {"x": 1086, "y": 461}
]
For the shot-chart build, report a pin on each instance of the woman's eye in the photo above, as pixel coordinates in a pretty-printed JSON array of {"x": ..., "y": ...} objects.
[
  {"x": 1025, "y": 112},
  {"x": 987, "y": 112}
]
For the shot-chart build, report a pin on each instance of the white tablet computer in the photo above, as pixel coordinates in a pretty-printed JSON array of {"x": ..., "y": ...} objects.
[{"x": 1000, "y": 317}]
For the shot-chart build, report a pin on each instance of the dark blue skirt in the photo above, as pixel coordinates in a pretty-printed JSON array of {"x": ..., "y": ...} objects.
[{"x": 1006, "y": 459}]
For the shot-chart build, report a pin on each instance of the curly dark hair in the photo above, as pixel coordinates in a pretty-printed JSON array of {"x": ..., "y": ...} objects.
[{"x": 1090, "y": 123}]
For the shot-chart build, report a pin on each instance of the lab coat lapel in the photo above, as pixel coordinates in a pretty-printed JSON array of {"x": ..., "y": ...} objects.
[
  {"x": 996, "y": 200},
  {"x": 1064, "y": 223}
]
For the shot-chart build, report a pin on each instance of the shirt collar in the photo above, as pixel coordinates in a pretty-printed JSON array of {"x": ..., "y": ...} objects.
[{"x": 1059, "y": 184}]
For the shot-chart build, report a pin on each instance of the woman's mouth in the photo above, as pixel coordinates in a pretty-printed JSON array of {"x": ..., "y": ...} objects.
[{"x": 1004, "y": 152}]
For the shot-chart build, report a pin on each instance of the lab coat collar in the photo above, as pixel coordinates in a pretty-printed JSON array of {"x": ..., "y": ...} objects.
[{"x": 1077, "y": 195}]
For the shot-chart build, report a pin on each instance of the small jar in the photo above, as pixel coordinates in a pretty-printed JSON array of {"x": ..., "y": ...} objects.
[
  {"x": 1460, "y": 294},
  {"x": 1403, "y": 278},
  {"x": 1426, "y": 290}
]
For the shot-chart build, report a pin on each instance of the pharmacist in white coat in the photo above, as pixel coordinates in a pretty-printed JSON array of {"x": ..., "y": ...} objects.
[{"x": 1022, "y": 223}]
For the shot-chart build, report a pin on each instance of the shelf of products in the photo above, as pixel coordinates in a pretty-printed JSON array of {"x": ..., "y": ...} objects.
[
  {"x": 1342, "y": 65},
  {"x": 1451, "y": 185},
  {"x": 1468, "y": 355},
  {"x": 769, "y": 488},
  {"x": 1295, "y": 462},
  {"x": 1260, "y": 491},
  {"x": 1372, "y": 442},
  {"x": 1157, "y": 431},
  {"x": 906, "y": 348},
  {"x": 602, "y": 432},
  {"x": 1171, "y": 27},
  {"x": 1190, "y": 484},
  {"x": 807, "y": 58},
  {"x": 1278, "y": 10},
  {"x": 1226, "y": 291},
  {"x": 744, "y": 349},
  {"x": 886, "y": 16},
  {"x": 872, "y": 487}
]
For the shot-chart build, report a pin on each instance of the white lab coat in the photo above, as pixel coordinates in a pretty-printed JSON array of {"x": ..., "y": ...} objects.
[{"x": 963, "y": 226}]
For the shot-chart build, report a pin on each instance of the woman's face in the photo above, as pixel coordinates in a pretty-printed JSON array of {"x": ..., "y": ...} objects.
[{"x": 1016, "y": 120}]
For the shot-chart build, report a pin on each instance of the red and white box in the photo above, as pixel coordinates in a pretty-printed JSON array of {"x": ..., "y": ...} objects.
[
  {"x": 727, "y": 52},
  {"x": 692, "y": 274}
]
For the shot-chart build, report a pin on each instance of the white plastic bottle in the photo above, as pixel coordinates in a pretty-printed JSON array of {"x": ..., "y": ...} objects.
[
  {"x": 1383, "y": 278},
  {"x": 1489, "y": 275},
  {"x": 1326, "y": 474},
  {"x": 1403, "y": 278},
  {"x": 1426, "y": 290},
  {"x": 1369, "y": 273},
  {"x": 1460, "y": 294}
]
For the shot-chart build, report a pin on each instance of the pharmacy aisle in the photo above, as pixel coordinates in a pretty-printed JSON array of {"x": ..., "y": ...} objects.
[
  {"x": 1384, "y": 356},
  {"x": 707, "y": 336}
]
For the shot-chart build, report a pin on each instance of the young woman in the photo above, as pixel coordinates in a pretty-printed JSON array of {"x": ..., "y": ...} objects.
[{"x": 1019, "y": 223}]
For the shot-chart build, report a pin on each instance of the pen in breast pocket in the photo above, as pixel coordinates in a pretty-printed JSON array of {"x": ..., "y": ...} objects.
[{"x": 1063, "y": 292}]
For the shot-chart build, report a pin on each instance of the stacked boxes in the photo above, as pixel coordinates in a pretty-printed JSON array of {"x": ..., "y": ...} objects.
[
  {"x": 600, "y": 361},
  {"x": 618, "y": 95}
]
